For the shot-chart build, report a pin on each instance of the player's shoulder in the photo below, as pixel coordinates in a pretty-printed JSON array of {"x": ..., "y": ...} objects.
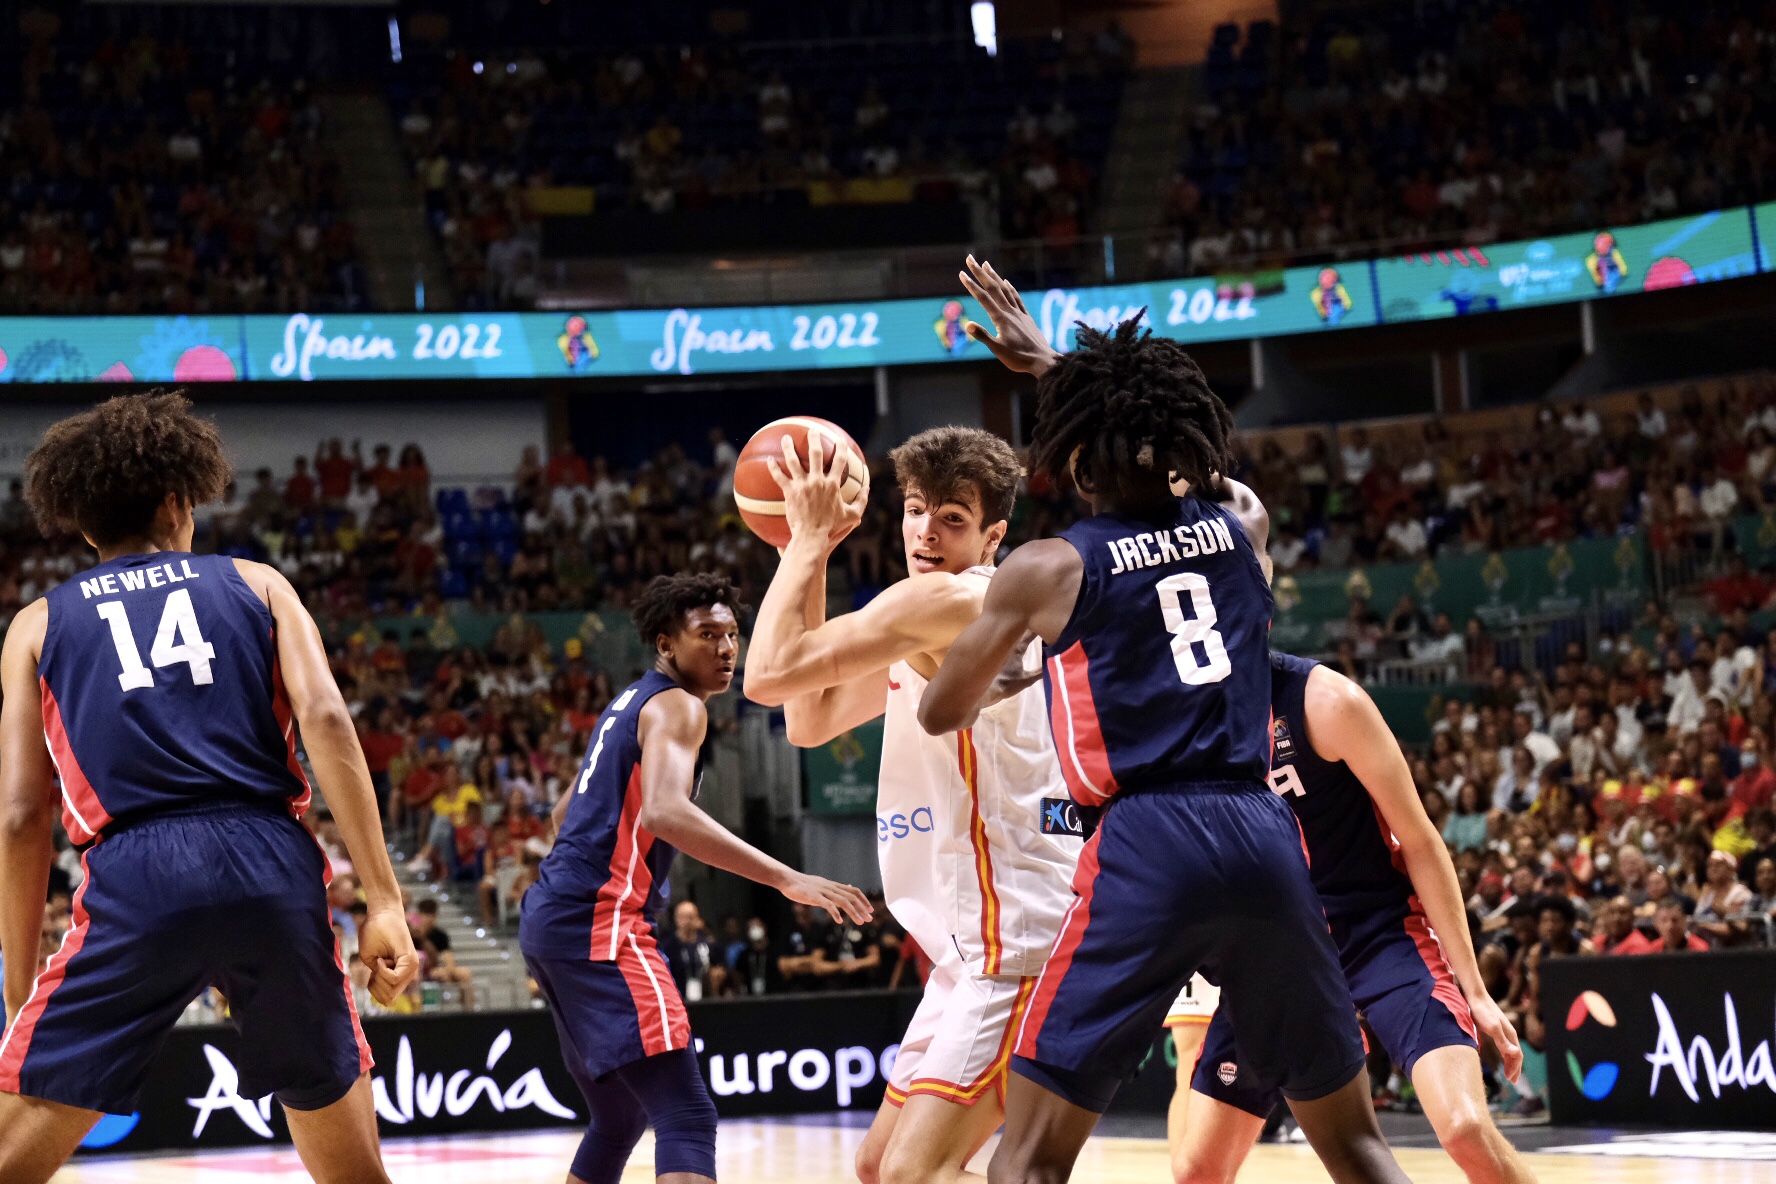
[
  {"x": 25, "y": 632},
  {"x": 676, "y": 710}
]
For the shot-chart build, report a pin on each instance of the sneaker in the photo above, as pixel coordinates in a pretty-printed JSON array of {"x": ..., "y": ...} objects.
[{"x": 419, "y": 867}]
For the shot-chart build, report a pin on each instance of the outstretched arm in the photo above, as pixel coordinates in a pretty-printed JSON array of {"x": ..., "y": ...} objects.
[
  {"x": 27, "y": 805},
  {"x": 1343, "y": 724},
  {"x": 671, "y": 731},
  {"x": 1032, "y": 593},
  {"x": 331, "y": 740}
]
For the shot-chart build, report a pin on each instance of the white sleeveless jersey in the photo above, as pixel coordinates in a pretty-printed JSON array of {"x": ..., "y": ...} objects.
[{"x": 976, "y": 835}]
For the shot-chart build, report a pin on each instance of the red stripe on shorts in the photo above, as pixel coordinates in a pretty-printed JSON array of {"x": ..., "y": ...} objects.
[
  {"x": 18, "y": 1037},
  {"x": 1072, "y": 932}
]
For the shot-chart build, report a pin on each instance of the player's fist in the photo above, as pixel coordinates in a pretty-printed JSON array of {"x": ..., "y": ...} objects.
[
  {"x": 842, "y": 902},
  {"x": 385, "y": 945}
]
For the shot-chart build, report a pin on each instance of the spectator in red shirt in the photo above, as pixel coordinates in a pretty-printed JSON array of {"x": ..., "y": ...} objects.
[
  {"x": 471, "y": 845},
  {"x": 300, "y": 489},
  {"x": 384, "y": 476},
  {"x": 1672, "y": 921},
  {"x": 335, "y": 470},
  {"x": 1616, "y": 933},
  {"x": 566, "y": 468},
  {"x": 1740, "y": 589},
  {"x": 382, "y": 744},
  {"x": 1755, "y": 786},
  {"x": 423, "y": 782}
]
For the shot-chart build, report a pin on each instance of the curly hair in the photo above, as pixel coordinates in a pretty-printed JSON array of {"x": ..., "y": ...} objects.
[
  {"x": 664, "y": 603},
  {"x": 104, "y": 472},
  {"x": 945, "y": 464},
  {"x": 1137, "y": 408}
]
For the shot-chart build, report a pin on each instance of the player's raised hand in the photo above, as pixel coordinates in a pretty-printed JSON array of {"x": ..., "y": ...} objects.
[
  {"x": 385, "y": 945},
  {"x": 1492, "y": 1024},
  {"x": 1019, "y": 342},
  {"x": 842, "y": 902},
  {"x": 814, "y": 503}
]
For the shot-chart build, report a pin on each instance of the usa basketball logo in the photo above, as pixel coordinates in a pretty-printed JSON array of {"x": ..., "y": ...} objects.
[
  {"x": 1227, "y": 1072},
  {"x": 1282, "y": 743}
]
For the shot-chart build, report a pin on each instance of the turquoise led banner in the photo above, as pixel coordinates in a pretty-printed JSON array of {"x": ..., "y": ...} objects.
[
  {"x": 1670, "y": 254},
  {"x": 313, "y": 347}
]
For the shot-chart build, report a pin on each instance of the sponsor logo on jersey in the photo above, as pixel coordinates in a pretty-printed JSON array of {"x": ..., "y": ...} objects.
[
  {"x": 1061, "y": 816},
  {"x": 1227, "y": 1072},
  {"x": 899, "y": 826}
]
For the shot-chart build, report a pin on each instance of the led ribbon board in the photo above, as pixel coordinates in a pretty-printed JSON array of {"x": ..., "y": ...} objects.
[{"x": 319, "y": 347}]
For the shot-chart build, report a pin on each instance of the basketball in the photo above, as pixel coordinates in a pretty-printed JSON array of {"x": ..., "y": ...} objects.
[{"x": 756, "y": 491}]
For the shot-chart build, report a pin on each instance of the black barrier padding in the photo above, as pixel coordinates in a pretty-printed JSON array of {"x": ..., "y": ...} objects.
[{"x": 1673, "y": 1040}]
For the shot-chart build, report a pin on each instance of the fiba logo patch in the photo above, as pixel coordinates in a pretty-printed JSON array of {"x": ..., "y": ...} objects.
[
  {"x": 1283, "y": 744},
  {"x": 1227, "y": 1071}
]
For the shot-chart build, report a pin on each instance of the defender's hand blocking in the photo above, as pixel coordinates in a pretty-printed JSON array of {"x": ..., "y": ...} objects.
[
  {"x": 842, "y": 902},
  {"x": 1492, "y": 1025},
  {"x": 385, "y": 945},
  {"x": 814, "y": 504},
  {"x": 1020, "y": 343}
]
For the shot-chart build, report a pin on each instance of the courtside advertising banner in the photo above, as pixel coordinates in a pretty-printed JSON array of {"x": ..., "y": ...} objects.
[
  {"x": 309, "y": 346},
  {"x": 1686, "y": 1041},
  {"x": 456, "y": 1072}
]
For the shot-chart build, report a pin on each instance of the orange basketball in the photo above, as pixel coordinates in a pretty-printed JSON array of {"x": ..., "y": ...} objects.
[{"x": 756, "y": 492}]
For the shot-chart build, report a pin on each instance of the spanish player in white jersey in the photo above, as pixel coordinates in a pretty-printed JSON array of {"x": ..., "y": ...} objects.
[{"x": 975, "y": 833}]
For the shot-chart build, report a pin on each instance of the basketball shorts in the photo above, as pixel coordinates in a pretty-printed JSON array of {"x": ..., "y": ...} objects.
[
  {"x": 958, "y": 1045},
  {"x": 1209, "y": 875},
  {"x": 610, "y": 1014},
  {"x": 229, "y": 895},
  {"x": 1195, "y": 1004},
  {"x": 1398, "y": 979}
]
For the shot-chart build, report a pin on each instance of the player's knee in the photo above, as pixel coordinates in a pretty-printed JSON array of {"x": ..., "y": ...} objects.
[
  {"x": 684, "y": 1137},
  {"x": 1190, "y": 1166},
  {"x": 1469, "y": 1137},
  {"x": 905, "y": 1162},
  {"x": 869, "y": 1162}
]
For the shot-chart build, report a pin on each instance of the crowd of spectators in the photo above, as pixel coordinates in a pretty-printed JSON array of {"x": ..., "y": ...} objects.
[
  {"x": 1432, "y": 124},
  {"x": 1019, "y": 137},
  {"x": 141, "y": 174},
  {"x": 1681, "y": 474}
]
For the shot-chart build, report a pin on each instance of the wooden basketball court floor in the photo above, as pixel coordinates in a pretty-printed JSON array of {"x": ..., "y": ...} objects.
[{"x": 819, "y": 1151}]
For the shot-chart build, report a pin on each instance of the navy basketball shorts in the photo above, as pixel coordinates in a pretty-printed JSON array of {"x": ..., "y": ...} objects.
[
  {"x": 1398, "y": 978},
  {"x": 229, "y": 895},
  {"x": 609, "y": 1014},
  {"x": 1212, "y": 876}
]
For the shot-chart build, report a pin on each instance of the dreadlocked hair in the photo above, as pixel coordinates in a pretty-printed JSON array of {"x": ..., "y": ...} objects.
[
  {"x": 106, "y": 471},
  {"x": 664, "y": 603},
  {"x": 1138, "y": 410}
]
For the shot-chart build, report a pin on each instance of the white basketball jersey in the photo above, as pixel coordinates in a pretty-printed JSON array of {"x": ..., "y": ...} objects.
[{"x": 975, "y": 832}]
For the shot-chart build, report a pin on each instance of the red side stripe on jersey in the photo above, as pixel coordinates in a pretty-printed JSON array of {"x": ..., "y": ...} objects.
[
  {"x": 660, "y": 1013},
  {"x": 17, "y": 1042},
  {"x": 629, "y": 874},
  {"x": 286, "y": 722},
  {"x": 1073, "y": 927},
  {"x": 968, "y": 760},
  {"x": 1443, "y": 984},
  {"x": 83, "y": 815},
  {"x": 1073, "y": 717}
]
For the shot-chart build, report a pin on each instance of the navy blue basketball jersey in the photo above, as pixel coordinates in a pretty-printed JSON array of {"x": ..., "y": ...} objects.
[
  {"x": 1160, "y": 676},
  {"x": 1352, "y": 855},
  {"x": 160, "y": 686},
  {"x": 606, "y": 877}
]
